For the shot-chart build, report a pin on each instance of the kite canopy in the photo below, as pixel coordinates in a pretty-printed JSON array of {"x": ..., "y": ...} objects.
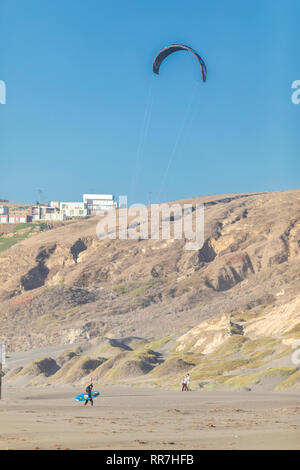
[{"x": 163, "y": 53}]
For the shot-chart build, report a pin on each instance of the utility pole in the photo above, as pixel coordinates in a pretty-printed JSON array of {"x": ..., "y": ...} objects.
[{"x": 41, "y": 196}]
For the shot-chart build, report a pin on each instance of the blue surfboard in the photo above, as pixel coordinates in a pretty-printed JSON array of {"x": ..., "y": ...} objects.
[{"x": 85, "y": 396}]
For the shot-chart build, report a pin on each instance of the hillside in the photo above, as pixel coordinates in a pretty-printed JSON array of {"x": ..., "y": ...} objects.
[{"x": 66, "y": 286}]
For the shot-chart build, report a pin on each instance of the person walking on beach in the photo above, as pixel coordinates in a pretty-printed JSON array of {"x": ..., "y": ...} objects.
[
  {"x": 88, "y": 390},
  {"x": 187, "y": 381}
]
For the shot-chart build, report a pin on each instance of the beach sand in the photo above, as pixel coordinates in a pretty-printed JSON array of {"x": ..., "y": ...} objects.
[{"x": 140, "y": 418}]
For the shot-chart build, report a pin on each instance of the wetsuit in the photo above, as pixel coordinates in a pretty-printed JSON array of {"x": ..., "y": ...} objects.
[{"x": 89, "y": 391}]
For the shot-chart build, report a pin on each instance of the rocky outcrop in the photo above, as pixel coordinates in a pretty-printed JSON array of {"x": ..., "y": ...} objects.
[
  {"x": 78, "y": 247},
  {"x": 208, "y": 335},
  {"x": 281, "y": 322},
  {"x": 235, "y": 269},
  {"x": 36, "y": 277}
]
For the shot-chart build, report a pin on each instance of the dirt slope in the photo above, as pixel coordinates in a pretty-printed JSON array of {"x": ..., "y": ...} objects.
[{"x": 65, "y": 285}]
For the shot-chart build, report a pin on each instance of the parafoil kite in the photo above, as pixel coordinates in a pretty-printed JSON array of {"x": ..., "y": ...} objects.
[{"x": 166, "y": 51}]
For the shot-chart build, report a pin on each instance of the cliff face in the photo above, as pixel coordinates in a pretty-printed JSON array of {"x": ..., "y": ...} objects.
[{"x": 64, "y": 284}]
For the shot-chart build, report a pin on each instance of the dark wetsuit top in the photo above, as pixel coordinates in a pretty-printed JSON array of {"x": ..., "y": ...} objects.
[{"x": 88, "y": 390}]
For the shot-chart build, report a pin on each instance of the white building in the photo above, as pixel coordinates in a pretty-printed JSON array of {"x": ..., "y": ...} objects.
[
  {"x": 56, "y": 210},
  {"x": 98, "y": 202},
  {"x": 54, "y": 204},
  {"x": 54, "y": 216},
  {"x": 18, "y": 219},
  {"x": 73, "y": 209},
  {"x": 46, "y": 212},
  {"x": 4, "y": 210}
]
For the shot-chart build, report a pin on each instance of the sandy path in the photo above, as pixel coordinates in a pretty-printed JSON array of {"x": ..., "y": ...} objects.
[{"x": 135, "y": 418}]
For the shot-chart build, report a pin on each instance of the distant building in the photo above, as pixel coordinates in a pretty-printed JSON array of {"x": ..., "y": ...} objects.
[
  {"x": 54, "y": 215},
  {"x": 19, "y": 219},
  {"x": 4, "y": 210},
  {"x": 98, "y": 202},
  {"x": 54, "y": 204},
  {"x": 38, "y": 211},
  {"x": 13, "y": 218},
  {"x": 73, "y": 209},
  {"x": 46, "y": 212},
  {"x": 4, "y": 219},
  {"x": 56, "y": 210}
]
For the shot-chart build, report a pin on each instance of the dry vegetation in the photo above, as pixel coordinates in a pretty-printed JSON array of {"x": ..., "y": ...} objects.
[{"x": 149, "y": 311}]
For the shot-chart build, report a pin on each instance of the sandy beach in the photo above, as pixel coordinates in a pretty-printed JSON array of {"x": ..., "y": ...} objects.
[{"x": 140, "y": 418}]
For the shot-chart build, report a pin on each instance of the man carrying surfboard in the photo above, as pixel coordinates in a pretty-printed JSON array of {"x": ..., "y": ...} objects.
[
  {"x": 89, "y": 395},
  {"x": 88, "y": 390}
]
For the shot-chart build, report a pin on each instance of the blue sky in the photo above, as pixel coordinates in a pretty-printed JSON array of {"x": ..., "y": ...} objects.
[{"x": 85, "y": 113}]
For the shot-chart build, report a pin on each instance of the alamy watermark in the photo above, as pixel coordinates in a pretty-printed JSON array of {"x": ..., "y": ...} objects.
[
  {"x": 296, "y": 94},
  {"x": 155, "y": 222},
  {"x": 2, "y": 92}
]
